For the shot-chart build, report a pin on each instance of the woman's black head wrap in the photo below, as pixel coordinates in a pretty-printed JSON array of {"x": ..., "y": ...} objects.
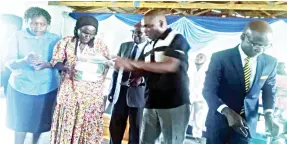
[{"x": 84, "y": 21}]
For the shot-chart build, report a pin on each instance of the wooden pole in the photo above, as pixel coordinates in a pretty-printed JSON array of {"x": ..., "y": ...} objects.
[{"x": 142, "y": 4}]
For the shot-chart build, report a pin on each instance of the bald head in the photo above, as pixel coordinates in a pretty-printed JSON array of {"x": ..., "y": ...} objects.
[
  {"x": 155, "y": 23},
  {"x": 258, "y": 26},
  {"x": 200, "y": 59},
  {"x": 156, "y": 14},
  {"x": 138, "y": 25},
  {"x": 256, "y": 38}
]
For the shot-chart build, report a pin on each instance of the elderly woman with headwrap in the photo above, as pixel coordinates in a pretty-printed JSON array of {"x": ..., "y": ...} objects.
[{"x": 78, "y": 117}]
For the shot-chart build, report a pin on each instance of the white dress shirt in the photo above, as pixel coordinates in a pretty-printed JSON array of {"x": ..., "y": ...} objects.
[
  {"x": 140, "y": 49},
  {"x": 253, "y": 63}
]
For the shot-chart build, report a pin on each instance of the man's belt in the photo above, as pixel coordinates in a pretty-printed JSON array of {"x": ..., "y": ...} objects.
[{"x": 128, "y": 84}]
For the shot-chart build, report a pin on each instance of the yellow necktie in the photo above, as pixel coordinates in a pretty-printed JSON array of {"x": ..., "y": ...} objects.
[{"x": 247, "y": 75}]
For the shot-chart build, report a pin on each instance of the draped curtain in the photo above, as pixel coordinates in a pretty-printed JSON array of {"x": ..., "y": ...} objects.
[{"x": 204, "y": 34}]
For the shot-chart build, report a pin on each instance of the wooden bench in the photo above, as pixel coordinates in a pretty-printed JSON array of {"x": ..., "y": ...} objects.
[{"x": 107, "y": 119}]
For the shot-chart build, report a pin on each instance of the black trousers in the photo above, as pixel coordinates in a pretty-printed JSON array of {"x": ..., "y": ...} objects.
[{"x": 121, "y": 112}]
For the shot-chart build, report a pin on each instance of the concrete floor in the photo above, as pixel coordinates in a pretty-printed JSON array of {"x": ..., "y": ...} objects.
[{"x": 44, "y": 139}]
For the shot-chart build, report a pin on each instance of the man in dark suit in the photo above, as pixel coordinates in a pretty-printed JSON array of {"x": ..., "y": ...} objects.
[
  {"x": 130, "y": 100},
  {"x": 233, "y": 82}
]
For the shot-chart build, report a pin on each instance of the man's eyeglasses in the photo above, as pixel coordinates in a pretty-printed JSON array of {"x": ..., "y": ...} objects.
[
  {"x": 253, "y": 44},
  {"x": 137, "y": 32}
]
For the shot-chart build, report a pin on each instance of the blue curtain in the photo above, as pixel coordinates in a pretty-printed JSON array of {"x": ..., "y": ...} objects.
[
  {"x": 192, "y": 33},
  {"x": 98, "y": 16},
  {"x": 225, "y": 24},
  {"x": 129, "y": 19},
  {"x": 211, "y": 23}
]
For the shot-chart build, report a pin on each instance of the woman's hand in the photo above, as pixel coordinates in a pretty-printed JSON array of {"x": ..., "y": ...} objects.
[
  {"x": 109, "y": 63},
  {"x": 41, "y": 65},
  {"x": 70, "y": 71},
  {"x": 32, "y": 59}
]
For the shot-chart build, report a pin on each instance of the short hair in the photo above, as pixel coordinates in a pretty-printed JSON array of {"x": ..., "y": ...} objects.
[
  {"x": 12, "y": 19},
  {"x": 155, "y": 12},
  {"x": 36, "y": 12}
]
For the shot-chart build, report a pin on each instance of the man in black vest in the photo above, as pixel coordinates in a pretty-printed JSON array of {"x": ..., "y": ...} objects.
[
  {"x": 130, "y": 100},
  {"x": 167, "y": 109}
]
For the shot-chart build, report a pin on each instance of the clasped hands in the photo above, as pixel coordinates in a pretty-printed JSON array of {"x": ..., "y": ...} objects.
[
  {"x": 34, "y": 61},
  {"x": 240, "y": 125}
]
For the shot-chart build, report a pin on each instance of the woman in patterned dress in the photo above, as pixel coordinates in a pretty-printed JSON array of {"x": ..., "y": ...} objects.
[{"x": 78, "y": 117}]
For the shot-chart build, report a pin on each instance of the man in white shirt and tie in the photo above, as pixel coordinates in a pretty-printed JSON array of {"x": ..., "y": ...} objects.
[
  {"x": 233, "y": 82},
  {"x": 127, "y": 92}
]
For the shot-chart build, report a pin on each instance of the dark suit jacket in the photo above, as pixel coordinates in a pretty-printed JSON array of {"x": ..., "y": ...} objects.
[
  {"x": 224, "y": 84},
  {"x": 135, "y": 95}
]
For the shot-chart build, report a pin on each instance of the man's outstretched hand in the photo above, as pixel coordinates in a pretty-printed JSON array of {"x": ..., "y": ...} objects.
[
  {"x": 123, "y": 63},
  {"x": 236, "y": 121}
]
